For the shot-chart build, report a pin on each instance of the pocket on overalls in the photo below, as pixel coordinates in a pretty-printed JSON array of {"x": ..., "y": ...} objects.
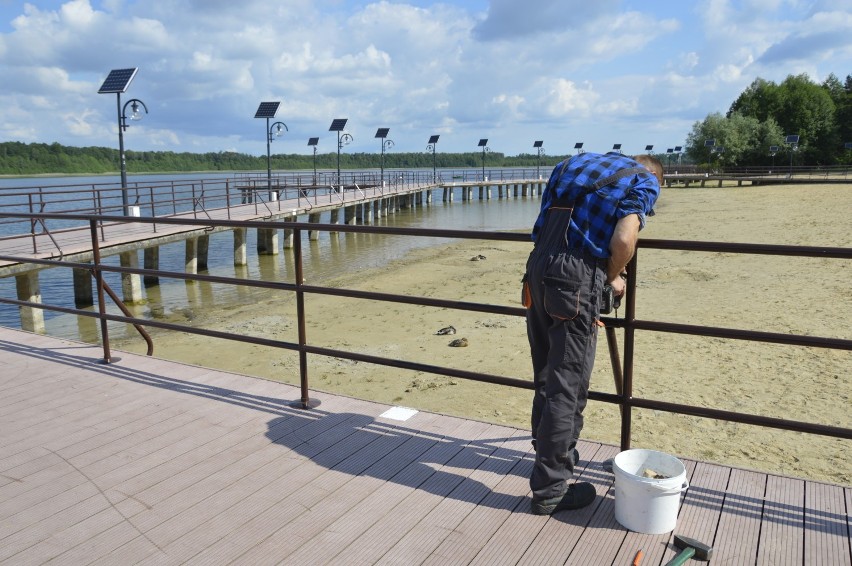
[{"x": 561, "y": 297}]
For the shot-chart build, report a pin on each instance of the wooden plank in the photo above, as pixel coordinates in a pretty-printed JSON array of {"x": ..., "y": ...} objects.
[
  {"x": 702, "y": 505},
  {"x": 782, "y": 529},
  {"x": 349, "y": 527},
  {"x": 739, "y": 526},
  {"x": 387, "y": 531},
  {"x": 430, "y": 532},
  {"x": 827, "y": 538}
]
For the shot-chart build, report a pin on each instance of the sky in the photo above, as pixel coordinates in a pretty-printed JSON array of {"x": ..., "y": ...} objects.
[{"x": 635, "y": 72}]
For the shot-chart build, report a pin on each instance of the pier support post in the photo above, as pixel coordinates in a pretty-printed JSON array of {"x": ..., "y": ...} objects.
[
  {"x": 32, "y": 319},
  {"x": 203, "y": 251},
  {"x": 83, "y": 294},
  {"x": 191, "y": 256},
  {"x": 349, "y": 215},
  {"x": 335, "y": 218},
  {"x": 131, "y": 283},
  {"x": 313, "y": 218},
  {"x": 151, "y": 258},
  {"x": 288, "y": 234},
  {"x": 267, "y": 241},
  {"x": 240, "y": 249}
]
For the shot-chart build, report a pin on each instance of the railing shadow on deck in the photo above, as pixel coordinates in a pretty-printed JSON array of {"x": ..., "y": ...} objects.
[{"x": 630, "y": 324}]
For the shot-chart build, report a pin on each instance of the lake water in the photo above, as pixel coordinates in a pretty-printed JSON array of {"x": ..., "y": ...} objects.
[{"x": 330, "y": 256}]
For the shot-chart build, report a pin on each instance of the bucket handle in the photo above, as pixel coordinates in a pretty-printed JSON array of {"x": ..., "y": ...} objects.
[{"x": 680, "y": 489}]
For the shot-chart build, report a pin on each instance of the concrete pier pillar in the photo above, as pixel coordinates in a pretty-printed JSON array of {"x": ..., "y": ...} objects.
[
  {"x": 267, "y": 241},
  {"x": 488, "y": 192},
  {"x": 131, "y": 283},
  {"x": 151, "y": 258},
  {"x": 335, "y": 218},
  {"x": 288, "y": 234},
  {"x": 32, "y": 319},
  {"x": 313, "y": 218},
  {"x": 240, "y": 249},
  {"x": 83, "y": 294},
  {"x": 203, "y": 251},
  {"x": 429, "y": 196},
  {"x": 349, "y": 215},
  {"x": 190, "y": 262}
]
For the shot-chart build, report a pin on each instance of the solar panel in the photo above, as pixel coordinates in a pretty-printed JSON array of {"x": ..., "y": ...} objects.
[
  {"x": 538, "y": 143},
  {"x": 267, "y": 110},
  {"x": 578, "y": 145},
  {"x": 848, "y": 145},
  {"x": 773, "y": 148},
  {"x": 616, "y": 146},
  {"x": 434, "y": 139},
  {"x": 649, "y": 147},
  {"x": 338, "y": 124},
  {"x": 483, "y": 142},
  {"x": 313, "y": 141},
  {"x": 382, "y": 132},
  {"x": 118, "y": 80},
  {"x": 678, "y": 148},
  {"x": 669, "y": 150},
  {"x": 793, "y": 138},
  {"x": 709, "y": 143}
]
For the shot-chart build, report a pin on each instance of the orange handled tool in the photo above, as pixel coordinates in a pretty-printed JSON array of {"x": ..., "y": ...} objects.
[{"x": 638, "y": 558}]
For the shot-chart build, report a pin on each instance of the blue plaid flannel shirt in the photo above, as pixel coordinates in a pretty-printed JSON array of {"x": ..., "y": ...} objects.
[{"x": 595, "y": 215}]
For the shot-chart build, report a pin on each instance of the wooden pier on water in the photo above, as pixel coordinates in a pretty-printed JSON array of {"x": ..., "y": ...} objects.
[
  {"x": 359, "y": 204},
  {"x": 151, "y": 462}
]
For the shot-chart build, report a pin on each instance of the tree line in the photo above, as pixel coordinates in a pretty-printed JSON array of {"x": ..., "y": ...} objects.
[
  {"x": 766, "y": 113},
  {"x": 18, "y": 158}
]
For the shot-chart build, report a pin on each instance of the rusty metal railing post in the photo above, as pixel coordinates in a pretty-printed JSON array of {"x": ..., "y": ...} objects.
[
  {"x": 99, "y": 283},
  {"x": 305, "y": 401},
  {"x": 629, "y": 343}
]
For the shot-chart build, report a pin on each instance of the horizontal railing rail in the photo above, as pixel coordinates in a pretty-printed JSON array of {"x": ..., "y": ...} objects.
[{"x": 624, "y": 397}]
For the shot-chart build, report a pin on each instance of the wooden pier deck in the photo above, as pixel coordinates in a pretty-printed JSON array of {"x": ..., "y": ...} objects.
[{"x": 146, "y": 461}]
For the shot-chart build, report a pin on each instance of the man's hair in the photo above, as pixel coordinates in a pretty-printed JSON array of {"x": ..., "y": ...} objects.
[{"x": 652, "y": 164}]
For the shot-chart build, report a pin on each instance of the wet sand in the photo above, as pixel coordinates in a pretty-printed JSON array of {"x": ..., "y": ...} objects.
[{"x": 775, "y": 294}]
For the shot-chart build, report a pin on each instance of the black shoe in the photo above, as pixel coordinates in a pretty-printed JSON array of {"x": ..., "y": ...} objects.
[{"x": 577, "y": 496}]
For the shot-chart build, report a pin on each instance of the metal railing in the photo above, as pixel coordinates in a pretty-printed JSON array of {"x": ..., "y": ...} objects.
[{"x": 622, "y": 365}]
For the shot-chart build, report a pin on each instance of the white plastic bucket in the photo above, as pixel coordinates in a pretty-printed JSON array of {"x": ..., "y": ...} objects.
[{"x": 648, "y": 505}]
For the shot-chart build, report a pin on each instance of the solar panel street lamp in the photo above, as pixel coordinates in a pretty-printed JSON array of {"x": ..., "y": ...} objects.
[
  {"x": 483, "y": 143},
  {"x": 792, "y": 141},
  {"x": 269, "y": 110},
  {"x": 312, "y": 142},
  {"x": 669, "y": 153},
  {"x": 678, "y": 149},
  {"x": 381, "y": 134},
  {"x": 118, "y": 82},
  {"x": 649, "y": 148},
  {"x": 773, "y": 149},
  {"x": 616, "y": 148},
  {"x": 579, "y": 147},
  {"x": 433, "y": 144},
  {"x": 343, "y": 138},
  {"x": 539, "y": 146}
]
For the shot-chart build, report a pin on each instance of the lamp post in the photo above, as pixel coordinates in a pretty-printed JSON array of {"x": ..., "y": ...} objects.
[
  {"x": 616, "y": 147},
  {"x": 709, "y": 143},
  {"x": 117, "y": 82},
  {"x": 792, "y": 141},
  {"x": 773, "y": 149},
  {"x": 669, "y": 152},
  {"x": 312, "y": 142},
  {"x": 343, "y": 138},
  {"x": 483, "y": 143},
  {"x": 539, "y": 146},
  {"x": 268, "y": 110},
  {"x": 381, "y": 134},
  {"x": 275, "y": 130},
  {"x": 649, "y": 148},
  {"x": 433, "y": 144},
  {"x": 579, "y": 147},
  {"x": 678, "y": 149}
]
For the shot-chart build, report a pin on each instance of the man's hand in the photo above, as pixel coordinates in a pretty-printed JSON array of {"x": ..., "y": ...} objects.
[{"x": 621, "y": 248}]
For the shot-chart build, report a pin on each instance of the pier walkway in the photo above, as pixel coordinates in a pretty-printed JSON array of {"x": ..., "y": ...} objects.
[{"x": 145, "y": 461}]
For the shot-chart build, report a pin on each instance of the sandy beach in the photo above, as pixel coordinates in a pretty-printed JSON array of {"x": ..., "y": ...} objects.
[{"x": 776, "y": 294}]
